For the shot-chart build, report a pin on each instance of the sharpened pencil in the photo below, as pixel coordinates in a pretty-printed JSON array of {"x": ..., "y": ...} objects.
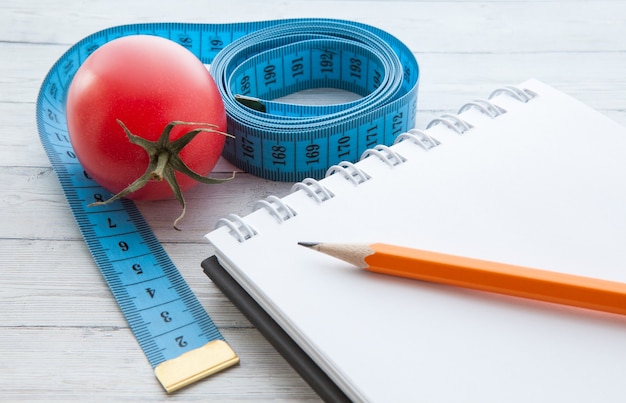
[{"x": 501, "y": 278}]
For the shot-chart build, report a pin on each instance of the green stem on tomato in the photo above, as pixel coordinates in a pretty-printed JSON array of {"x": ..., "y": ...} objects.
[{"x": 164, "y": 159}]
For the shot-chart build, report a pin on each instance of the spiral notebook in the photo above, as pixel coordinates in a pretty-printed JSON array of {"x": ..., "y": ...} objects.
[{"x": 527, "y": 176}]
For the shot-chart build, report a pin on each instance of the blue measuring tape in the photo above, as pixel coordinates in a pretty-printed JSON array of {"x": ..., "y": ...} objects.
[
  {"x": 178, "y": 337},
  {"x": 252, "y": 63},
  {"x": 288, "y": 142}
]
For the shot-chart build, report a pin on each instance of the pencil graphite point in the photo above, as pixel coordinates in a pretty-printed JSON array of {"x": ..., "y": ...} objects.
[
  {"x": 351, "y": 253},
  {"x": 308, "y": 244}
]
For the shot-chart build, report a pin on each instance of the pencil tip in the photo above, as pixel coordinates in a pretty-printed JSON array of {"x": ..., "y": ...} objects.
[{"x": 308, "y": 244}]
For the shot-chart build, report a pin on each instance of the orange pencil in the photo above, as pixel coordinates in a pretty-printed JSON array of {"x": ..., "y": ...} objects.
[{"x": 542, "y": 285}]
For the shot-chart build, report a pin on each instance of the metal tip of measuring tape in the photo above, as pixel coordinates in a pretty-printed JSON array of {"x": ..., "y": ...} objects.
[
  {"x": 195, "y": 365},
  {"x": 250, "y": 102}
]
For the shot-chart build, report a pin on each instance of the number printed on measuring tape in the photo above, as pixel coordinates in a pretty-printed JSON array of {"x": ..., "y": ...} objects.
[{"x": 259, "y": 61}]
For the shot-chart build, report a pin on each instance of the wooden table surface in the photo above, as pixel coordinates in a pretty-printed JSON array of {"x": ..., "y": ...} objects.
[{"x": 62, "y": 336}]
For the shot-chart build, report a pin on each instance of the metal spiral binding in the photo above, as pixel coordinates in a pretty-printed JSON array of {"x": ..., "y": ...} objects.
[
  {"x": 487, "y": 107},
  {"x": 314, "y": 190},
  {"x": 277, "y": 207},
  {"x": 452, "y": 121},
  {"x": 484, "y": 106},
  {"x": 524, "y": 95},
  {"x": 238, "y": 227},
  {"x": 350, "y": 172},
  {"x": 420, "y": 138},
  {"x": 386, "y": 154}
]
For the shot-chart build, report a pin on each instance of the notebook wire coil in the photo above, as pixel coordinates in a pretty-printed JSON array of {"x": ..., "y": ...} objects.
[
  {"x": 522, "y": 95},
  {"x": 385, "y": 154},
  {"x": 419, "y": 137},
  {"x": 350, "y": 171},
  {"x": 314, "y": 190},
  {"x": 238, "y": 227},
  {"x": 486, "y": 107},
  {"x": 452, "y": 121},
  {"x": 277, "y": 207}
]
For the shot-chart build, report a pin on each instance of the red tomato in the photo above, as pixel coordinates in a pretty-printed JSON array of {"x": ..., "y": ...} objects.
[{"x": 145, "y": 82}]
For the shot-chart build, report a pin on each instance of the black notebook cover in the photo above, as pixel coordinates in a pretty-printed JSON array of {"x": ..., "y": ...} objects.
[{"x": 282, "y": 342}]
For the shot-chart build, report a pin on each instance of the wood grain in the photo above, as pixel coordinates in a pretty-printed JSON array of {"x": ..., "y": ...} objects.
[{"x": 63, "y": 338}]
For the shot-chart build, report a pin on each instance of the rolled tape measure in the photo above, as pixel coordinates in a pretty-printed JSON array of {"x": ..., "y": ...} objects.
[
  {"x": 288, "y": 142},
  {"x": 252, "y": 63}
]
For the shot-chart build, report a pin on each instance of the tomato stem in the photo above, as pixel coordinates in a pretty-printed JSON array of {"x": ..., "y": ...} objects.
[{"x": 164, "y": 160}]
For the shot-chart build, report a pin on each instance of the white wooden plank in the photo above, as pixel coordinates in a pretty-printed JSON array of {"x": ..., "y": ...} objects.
[
  {"x": 504, "y": 27},
  {"x": 105, "y": 364}
]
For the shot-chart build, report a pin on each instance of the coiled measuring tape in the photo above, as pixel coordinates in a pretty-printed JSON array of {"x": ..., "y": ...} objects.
[
  {"x": 252, "y": 63},
  {"x": 287, "y": 142}
]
